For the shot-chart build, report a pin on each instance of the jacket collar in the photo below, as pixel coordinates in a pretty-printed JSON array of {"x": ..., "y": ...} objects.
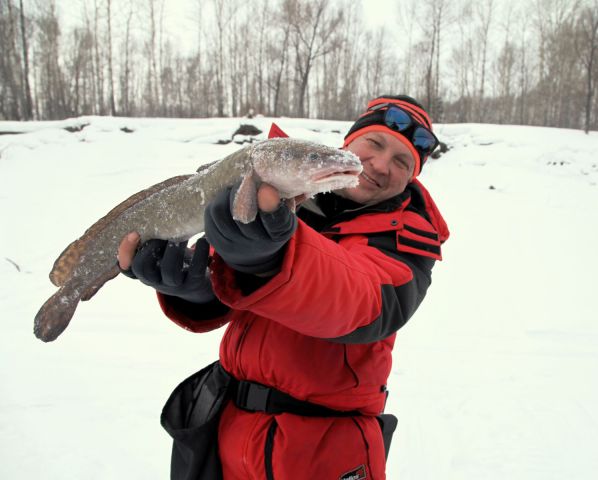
[
  {"x": 330, "y": 213},
  {"x": 336, "y": 208}
]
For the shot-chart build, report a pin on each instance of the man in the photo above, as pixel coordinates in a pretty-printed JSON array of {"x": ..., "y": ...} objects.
[{"x": 313, "y": 301}]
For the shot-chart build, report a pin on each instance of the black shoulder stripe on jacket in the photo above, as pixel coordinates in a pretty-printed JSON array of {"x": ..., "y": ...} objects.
[
  {"x": 422, "y": 233},
  {"x": 426, "y": 247},
  {"x": 418, "y": 237},
  {"x": 399, "y": 303}
]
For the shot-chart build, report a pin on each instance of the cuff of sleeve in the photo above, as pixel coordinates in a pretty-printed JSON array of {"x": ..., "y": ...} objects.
[
  {"x": 263, "y": 266},
  {"x": 233, "y": 292},
  {"x": 194, "y": 317}
]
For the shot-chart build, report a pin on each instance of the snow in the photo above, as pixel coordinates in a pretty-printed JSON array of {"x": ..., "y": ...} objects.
[{"x": 495, "y": 377}]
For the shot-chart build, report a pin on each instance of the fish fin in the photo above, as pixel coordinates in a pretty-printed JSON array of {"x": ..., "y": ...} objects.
[
  {"x": 69, "y": 258},
  {"x": 99, "y": 283},
  {"x": 65, "y": 263},
  {"x": 56, "y": 314},
  {"x": 203, "y": 168},
  {"x": 245, "y": 201}
]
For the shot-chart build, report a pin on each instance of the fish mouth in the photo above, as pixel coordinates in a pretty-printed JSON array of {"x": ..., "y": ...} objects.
[{"x": 325, "y": 177}]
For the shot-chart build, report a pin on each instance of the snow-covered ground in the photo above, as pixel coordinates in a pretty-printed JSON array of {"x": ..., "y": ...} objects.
[{"x": 496, "y": 377}]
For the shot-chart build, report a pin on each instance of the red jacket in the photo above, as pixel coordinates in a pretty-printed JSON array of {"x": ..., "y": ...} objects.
[{"x": 323, "y": 329}]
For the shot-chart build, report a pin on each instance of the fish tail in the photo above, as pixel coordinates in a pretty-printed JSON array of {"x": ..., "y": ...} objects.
[{"x": 56, "y": 313}]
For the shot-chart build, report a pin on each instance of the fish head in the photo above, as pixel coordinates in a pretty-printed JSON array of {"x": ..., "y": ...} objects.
[{"x": 300, "y": 167}]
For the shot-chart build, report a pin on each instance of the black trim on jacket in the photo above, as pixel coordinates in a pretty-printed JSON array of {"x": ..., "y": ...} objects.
[{"x": 399, "y": 303}]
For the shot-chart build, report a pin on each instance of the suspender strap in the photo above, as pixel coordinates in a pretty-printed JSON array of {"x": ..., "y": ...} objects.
[{"x": 255, "y": 397}]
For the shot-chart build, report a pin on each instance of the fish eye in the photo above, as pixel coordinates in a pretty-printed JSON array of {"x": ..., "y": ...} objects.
[{"x": 313, "y": 157}]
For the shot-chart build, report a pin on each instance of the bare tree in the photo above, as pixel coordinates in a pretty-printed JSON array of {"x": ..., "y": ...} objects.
[
  {"x": 98, "y": 59},
  {"x": 125, "y": 77},
  {"x": 407, "y": 12},
  {"x": 260, "y": 66},
  {"x": 464, "y": 64},
  {"x": 505, "y": 65},
  {"x": 587, "y": 48},
  {"x": 223, "y": 15},
  {"x": 152, "y": 52},
  {"x": 10, "y": 85},
  {"x": 376, "y": 62},
  {"x": 432, "y": 19},
  {"x": 339, "y": 72},
  {"x": 110, "y": 59},
  {"x": 550, "y": 18},
  {"x": 484, "y": 10},
  {"x": 313, "y": 24},
  {"x": 233, "y": 52},
  {"x": 52, "y": 85},
  {"x": 523, "y": 74},
  {"x": 277, "y": 53},
  {"x": 28, "y": 110}
]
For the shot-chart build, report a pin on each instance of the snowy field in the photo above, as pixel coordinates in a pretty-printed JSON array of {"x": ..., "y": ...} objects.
[{"x": 496, "y": 376}]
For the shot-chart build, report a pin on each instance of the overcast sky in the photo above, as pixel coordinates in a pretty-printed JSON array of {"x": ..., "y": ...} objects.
[{"x": 181, "y": 16}]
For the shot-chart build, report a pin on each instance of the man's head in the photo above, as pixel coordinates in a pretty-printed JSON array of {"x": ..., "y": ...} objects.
[{"x": 393, "y": 139}]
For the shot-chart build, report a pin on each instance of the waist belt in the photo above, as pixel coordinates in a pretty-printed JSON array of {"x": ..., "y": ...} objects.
[{"x": 255, "y": 397}]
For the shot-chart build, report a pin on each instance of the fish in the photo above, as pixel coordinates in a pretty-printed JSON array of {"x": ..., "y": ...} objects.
[{"x": 174, "y": 210}]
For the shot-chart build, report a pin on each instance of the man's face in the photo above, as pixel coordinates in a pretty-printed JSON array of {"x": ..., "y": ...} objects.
[{"x": 387, "y": 168}]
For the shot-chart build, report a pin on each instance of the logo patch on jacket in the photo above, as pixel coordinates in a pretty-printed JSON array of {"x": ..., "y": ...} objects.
[{"x": 355, "y": 474}]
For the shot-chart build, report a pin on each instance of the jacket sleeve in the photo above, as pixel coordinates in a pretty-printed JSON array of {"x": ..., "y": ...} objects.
[
  {"x": 356, "y": 291},
  {"x": 194, "y": 317}
]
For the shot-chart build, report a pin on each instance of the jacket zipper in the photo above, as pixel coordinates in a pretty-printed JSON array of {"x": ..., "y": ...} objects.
[
  {"x": 240, "y": 344},
  {"x": 268, "y": 450}
]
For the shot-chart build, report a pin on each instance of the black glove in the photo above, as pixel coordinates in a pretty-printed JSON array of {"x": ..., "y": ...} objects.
[
  {"x": 173, "y": 269},
  {"x": 255, "y": 247}
]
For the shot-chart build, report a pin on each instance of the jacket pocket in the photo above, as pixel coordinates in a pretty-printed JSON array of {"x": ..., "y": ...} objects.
[
  {"x": 190, "y": 416},
  {"x": 269, "y": 448}
]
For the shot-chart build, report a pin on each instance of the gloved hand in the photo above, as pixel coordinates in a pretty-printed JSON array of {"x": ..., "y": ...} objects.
[
  {"x": 255, "y": 247},
  {"x": 173, "y": 269}
]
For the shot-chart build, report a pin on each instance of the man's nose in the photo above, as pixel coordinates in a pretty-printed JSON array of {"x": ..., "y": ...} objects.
[{"x": 380, "y": 164}]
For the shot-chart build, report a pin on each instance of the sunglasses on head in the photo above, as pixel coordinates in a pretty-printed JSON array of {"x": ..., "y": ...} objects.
[{"x": 401, "y": 121}]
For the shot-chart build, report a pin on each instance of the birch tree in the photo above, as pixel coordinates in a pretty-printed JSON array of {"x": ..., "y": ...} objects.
[
  {"x": 313, "y": 24},
  {"x": 587, "y": 47},
  {"x": 28, "y": 107}
]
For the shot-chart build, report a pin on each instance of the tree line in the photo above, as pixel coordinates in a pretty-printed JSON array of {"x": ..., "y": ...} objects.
[{"x": 532, "y": 62}]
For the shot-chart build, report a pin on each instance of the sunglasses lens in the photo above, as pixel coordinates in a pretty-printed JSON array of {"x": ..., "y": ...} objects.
[
  {"x": 397, "y": 119},
  {"x": 424, "y": 140}
]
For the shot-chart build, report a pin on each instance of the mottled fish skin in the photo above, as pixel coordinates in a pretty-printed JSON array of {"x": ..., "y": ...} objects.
[{"x": 174, "y": 210}]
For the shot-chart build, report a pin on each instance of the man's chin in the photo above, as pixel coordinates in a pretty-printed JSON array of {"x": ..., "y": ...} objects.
[{"x": 355, "y": 194}]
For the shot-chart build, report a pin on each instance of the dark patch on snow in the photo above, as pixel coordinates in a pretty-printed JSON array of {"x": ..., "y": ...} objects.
[
  {"x": 441, "y": 150},
  {"x": 561, "y": 163},
  {"x": 76, "y": 128},
  {"x": 247, "y": 129},
  {"x": 10, "y": 133},
  {"x": 242, "y": 140},
  {"x": 12, "y": 262}
]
